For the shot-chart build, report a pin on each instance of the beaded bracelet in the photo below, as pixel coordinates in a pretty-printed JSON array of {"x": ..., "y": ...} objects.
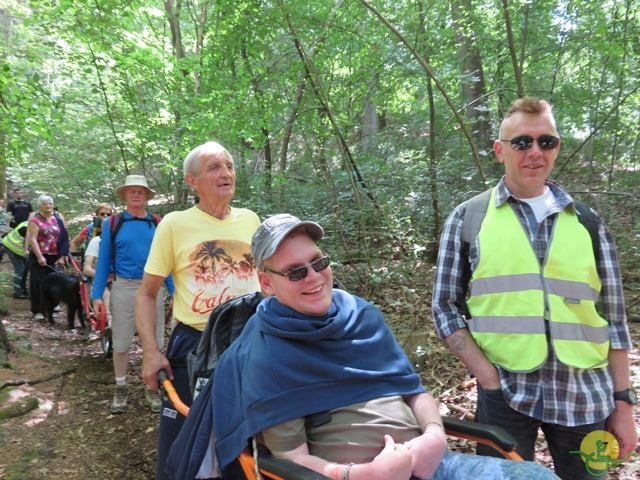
[{"x": 346, "y": 471}]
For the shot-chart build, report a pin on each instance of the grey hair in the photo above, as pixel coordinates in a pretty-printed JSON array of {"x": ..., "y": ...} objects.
[
  {"x": 192, "y": 161},
  {"x": 44, "y": 198}
]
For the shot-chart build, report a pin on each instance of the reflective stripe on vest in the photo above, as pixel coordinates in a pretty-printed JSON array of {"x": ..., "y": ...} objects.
[
  {"x": 509, "y": 292},
  {"x": 13, "y": 241}
]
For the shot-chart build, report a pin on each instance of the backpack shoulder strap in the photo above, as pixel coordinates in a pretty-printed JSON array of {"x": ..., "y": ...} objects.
[
  {"x": 473, "y": 217},
  {"x": 224, "y": 325},
  {"x": 589, "y": 220}
]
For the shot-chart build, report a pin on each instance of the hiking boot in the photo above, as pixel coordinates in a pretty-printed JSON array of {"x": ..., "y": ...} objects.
[
  {"x": 152, "y": 400},
  {"x": 119, "y": 404}
]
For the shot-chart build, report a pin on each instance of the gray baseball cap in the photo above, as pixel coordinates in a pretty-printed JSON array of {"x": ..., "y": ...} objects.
[{"x": 274, "y": 230}]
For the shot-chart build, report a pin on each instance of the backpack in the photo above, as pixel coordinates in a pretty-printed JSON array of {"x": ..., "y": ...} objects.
[
  {"x": 115, "y": 224},
  {"x": 477, "y": 209},
  {"x": 225, "y": 324}
]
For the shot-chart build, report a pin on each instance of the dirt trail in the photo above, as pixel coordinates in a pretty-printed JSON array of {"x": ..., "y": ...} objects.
[{"x": 73, "y": 436}]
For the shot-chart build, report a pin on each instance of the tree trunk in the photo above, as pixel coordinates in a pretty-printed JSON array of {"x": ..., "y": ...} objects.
[{"x": 473, "y": 86}]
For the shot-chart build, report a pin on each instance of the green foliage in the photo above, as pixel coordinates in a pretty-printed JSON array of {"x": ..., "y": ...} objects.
[{"x": 328, "y": 115}]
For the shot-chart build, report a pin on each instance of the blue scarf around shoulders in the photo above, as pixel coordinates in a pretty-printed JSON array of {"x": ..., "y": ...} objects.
[{"x": 286, "y": 365}]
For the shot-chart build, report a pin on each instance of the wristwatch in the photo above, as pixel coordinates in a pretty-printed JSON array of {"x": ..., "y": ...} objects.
[{"x": 628, "y": 395}]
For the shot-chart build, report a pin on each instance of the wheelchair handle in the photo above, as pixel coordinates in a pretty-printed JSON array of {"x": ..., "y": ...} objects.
[{"x": 170, "y": 391}]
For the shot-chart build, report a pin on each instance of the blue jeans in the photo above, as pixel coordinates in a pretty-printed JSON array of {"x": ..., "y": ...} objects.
[
  {"x": 494, "y": 410},
  {"x": 459, "y": 466},
  {"x": 19, "y": 264}
]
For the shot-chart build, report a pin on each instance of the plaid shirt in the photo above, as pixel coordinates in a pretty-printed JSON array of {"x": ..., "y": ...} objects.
[{"x": 555, "y": 393}]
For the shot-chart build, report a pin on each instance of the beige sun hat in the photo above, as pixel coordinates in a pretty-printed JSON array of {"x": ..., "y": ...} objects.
[{"x": 135, "y": 181}]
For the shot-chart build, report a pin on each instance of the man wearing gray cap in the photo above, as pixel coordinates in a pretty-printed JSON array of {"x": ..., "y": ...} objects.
[{"x": 317, "y": 372}]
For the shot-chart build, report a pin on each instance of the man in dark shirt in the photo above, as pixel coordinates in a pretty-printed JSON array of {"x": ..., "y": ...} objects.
[{"x": 18, "y": 208}]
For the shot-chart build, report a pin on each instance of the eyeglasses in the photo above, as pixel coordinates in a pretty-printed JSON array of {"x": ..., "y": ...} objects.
[
  {"x": 105, "y": 214},
  {"x": 525, "y": 142},
  {"x": 298, "y": 273}
]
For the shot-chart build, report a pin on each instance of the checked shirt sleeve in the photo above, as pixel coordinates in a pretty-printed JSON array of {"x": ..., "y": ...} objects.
[
  {"x": 448, "y": 303},
  {"x": 612, "y": 295}
]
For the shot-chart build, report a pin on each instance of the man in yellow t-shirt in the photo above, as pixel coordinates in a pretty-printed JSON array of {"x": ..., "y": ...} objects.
[{"x": 206, "y": 249}]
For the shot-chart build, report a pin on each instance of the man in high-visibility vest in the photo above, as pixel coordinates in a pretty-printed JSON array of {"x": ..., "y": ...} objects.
[
  {"x": 529, "y": 331},
  {"x": 14, "y": 247}
]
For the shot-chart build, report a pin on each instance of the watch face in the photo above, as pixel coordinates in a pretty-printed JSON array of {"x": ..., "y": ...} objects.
[{"x": 628, "y": 395}]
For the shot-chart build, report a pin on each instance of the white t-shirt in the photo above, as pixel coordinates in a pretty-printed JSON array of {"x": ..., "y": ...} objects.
[
  {"x": 93, "y": 248},
  {"x": 541, "y": 204}
]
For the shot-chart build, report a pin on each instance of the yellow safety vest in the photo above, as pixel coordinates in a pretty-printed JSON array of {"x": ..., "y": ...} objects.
[
  {"x": 509, "y": 289},
  {"x": 13, "y": 241}
]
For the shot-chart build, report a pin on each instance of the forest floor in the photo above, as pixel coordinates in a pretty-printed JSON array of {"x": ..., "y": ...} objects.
[{"x": 71, "y": 435}]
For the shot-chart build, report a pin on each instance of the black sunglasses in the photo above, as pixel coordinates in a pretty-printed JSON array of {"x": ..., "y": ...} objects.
[
  {"x": 298, "y": 273},
  {"x": 104, "y": 214},
  {"x": 525, "y": 142}
]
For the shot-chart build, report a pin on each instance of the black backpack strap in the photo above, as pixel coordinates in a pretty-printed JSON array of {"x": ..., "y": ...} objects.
[
  {"x": 224, "y": 325},
  {"x": 473, "y": 216},
  {"x": 115, "y": 224},
  {"x": 589, "y": 220}
]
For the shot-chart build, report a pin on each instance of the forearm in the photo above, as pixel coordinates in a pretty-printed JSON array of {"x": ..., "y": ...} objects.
[
  {"x": 392, "y": 464},
  {"x": 620, "y": 423},
  {"x": 153, "y": 359},
  {"x": 465, "y": 348},
  {"x": 145, "y": 313},
  {"x": 619, "y": 367}
]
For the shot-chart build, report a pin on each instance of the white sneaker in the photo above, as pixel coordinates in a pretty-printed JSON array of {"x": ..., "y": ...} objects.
[
  {"x": 57, "y": 308},
  {"x": 38, "y": 317}
]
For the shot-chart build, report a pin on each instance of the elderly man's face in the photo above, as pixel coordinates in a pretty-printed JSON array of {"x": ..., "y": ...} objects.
[
  {"x": 135, "y": 196},
  {"x": 216, "y": 180}
]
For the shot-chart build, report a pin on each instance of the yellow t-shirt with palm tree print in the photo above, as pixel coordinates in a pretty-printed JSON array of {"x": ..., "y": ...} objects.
[{"x": 210, "y": 260}]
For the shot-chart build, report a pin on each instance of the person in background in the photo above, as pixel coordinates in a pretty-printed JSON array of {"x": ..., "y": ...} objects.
[
  {"x": 13, "y": 243},
  {"x": 102, "y": 211},
  {"x": 542, "y": 354},
  {"x": 48, "y": 247},
  {"x": 4, "y": 225},
  {"x": 206, "y": 250},
  {"x": 320, "y": 376},
  {"x": 126, "y": 255},
  {"x": 89, "y": 270},
  {"x": 18, "y": 208}
]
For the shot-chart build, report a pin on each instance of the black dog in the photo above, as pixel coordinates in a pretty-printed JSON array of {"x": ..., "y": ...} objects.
[{"x": 60, "y": 287}]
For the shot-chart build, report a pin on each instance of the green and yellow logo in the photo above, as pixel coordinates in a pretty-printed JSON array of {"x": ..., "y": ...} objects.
[{"x": 600, "y": 450}]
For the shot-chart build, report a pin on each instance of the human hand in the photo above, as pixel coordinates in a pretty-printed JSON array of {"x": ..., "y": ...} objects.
[
  {"x": 489, "y": 378},
  {"x": 621, "y": 425},
  {"x": 152, "y": 363},
  {"x": 427, "y": 451},
  {"x": 394, "y": 461}
]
